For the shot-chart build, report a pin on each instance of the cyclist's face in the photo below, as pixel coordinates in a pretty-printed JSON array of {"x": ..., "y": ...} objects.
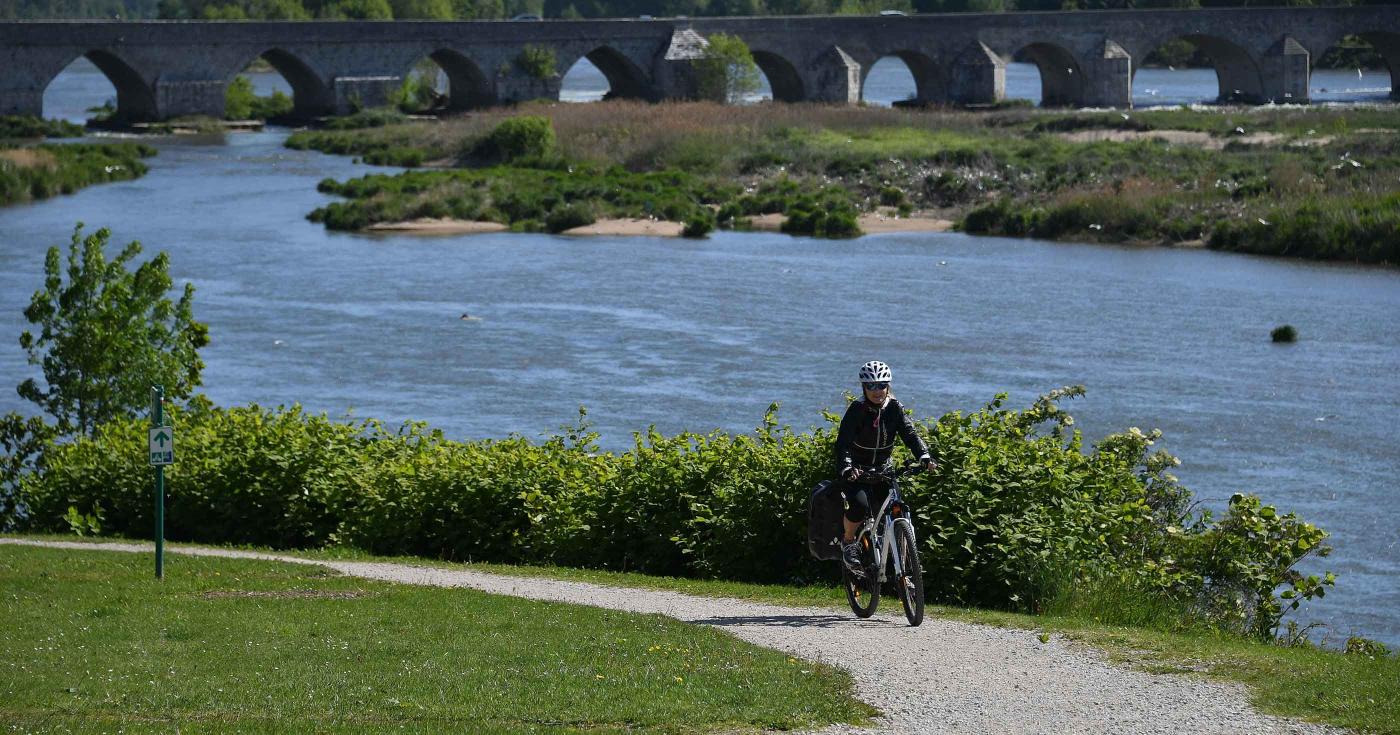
[{"x": 877, "y": 395}]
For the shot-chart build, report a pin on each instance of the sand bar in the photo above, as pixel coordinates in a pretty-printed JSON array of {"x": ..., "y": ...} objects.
[
  {"x": 443, "y": 226},
  {"x": 660, "y": 228}
]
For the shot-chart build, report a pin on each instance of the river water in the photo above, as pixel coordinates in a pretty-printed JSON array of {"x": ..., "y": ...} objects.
[{"x": 697, "y": 335}]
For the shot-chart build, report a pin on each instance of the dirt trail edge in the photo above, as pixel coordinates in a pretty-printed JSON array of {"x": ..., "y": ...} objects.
[{"x": 942, "y": 677}]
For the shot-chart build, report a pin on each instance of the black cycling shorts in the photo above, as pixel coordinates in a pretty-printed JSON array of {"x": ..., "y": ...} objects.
[{"x": 863, "y": 497}]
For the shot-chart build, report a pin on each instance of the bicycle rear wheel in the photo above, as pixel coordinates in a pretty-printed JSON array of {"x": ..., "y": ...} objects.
[
  {"x": 863, "y": 594},
  {"x": 911, "y": 584}
]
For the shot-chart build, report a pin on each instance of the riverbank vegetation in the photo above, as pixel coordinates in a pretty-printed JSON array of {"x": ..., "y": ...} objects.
[
  {"x": 43, "y": 171},
  {"x": 604, "y": 671},
  {"x": 1310, "y": 182},
  {"x": 21, "y": 127}
]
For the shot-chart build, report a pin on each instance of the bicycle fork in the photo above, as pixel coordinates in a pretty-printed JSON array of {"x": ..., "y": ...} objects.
[{"x": 885, "y": 548}]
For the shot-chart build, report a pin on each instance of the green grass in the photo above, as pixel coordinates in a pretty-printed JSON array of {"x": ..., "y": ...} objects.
[
  {"x": 1299, "y": 681},
  {"x": 92, "y": 642}
]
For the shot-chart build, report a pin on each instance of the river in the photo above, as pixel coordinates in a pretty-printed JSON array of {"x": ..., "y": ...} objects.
[{"x": 705, "y": 334}]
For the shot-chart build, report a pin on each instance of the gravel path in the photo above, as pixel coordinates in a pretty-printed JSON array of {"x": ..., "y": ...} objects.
[{"x": 942, "y": 677}]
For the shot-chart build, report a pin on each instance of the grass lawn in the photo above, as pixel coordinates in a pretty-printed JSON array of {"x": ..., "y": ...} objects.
[
  {"x": 92, "y": 643},
  {"x": 1308, "y": 683}
]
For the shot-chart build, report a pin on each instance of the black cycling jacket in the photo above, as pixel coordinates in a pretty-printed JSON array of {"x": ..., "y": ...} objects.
[{"x": 866, "y": 438}]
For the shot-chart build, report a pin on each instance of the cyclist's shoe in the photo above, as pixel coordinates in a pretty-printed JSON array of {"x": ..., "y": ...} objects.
[{"x": 850, "y": 556}]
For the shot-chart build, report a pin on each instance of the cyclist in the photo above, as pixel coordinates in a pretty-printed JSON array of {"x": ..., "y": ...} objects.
[{"x": 864, "y": 443}]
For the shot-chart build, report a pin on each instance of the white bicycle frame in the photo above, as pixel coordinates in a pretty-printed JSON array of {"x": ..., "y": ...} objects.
[{"x": 883, "y": 542}]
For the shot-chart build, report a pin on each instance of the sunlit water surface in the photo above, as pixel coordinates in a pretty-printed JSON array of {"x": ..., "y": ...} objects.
[{"x": 697, "y": 335}]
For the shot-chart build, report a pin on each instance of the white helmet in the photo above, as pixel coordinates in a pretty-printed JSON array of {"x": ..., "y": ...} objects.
[{"x": 874, "y": 372}]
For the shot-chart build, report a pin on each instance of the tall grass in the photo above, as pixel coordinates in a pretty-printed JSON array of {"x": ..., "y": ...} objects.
[{"x": 44, "y": 171}]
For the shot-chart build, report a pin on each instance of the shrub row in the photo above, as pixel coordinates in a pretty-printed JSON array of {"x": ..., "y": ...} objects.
[{"x": 1015, "y": 514}]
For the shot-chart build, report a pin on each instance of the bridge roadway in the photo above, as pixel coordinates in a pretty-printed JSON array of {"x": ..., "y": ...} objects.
[{"x": 167, "y": 69}]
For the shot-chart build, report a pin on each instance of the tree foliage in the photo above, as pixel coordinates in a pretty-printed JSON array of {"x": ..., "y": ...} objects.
[
  {"x": 727, "y": 72},
  {"x": 106, "y": 334}
]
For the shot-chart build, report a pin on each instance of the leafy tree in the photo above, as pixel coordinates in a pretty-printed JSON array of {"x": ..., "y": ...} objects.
[
  {"x": 106, "y": 335},
  {"x": 422, "y": 9},
  {"x": 539, "y": 62},
  {"x": 478, "y": 9},
  {"x": 22, "y": 441},
  {"x": 357, "y": 10},
  {"x": 727, "y": 72}
]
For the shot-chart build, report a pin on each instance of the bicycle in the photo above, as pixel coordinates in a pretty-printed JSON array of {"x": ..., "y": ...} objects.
[{"x": 890, "y": 543}]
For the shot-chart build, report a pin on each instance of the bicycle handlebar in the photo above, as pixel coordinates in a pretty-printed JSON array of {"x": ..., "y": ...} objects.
[{"x": 899, "y": 473}]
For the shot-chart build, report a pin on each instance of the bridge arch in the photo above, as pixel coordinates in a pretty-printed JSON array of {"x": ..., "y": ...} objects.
[
  {"x": 1386, "y": 45},
  {"x": 625, "y": 79},
  {"x": 468, "y": 88},
  {"x": 782, "y": 76},
  {"x": 1236, "y": 71},
  {"x": 310, "y": 94},
  {"x": 136, "y": 100},
  {"x": 928, "y": 83},
  {"x": 1061, "y": 76}
]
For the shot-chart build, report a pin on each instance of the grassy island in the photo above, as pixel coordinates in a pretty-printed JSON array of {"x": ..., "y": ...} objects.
[
  {"x": 1310, "y": 182},
  {"x": 42, "y": 171}
]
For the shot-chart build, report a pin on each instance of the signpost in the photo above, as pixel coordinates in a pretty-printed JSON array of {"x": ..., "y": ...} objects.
[{"x": 161, "y": 445}]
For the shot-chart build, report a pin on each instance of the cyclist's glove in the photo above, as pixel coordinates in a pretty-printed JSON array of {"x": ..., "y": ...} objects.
[{"x": 850, "y": 474}]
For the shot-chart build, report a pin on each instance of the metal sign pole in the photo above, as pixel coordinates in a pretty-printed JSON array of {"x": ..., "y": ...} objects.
[{"x": 158, "y": 413}]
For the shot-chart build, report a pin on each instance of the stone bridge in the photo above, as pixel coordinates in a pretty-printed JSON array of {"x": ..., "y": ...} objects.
[{"x": 167, "y": 69}]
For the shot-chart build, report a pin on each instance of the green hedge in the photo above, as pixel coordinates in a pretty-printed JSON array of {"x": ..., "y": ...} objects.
[{"x": 1015, "y": 514}]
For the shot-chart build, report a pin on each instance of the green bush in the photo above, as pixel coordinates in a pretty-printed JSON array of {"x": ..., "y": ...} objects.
[
  {"x": 827, "y": 214},
  {"x": 569, "y": 217},
  {"x": 1285, "y": 333},
  {"x": 538, "y": 62},
  {"x": 242, "y": 103},
  {"x": 1016, "y": 516},
  {"x": 699, "y": 224},
  {"x": 518, "y": 138}
]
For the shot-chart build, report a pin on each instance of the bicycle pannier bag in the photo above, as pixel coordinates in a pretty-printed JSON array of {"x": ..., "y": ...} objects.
[{"x": 824, "y": 513}]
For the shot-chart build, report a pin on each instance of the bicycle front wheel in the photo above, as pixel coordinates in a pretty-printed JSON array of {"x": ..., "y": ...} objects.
[
  {"x": 911, "y": 583},
  {"x": 863, "y": 594}
]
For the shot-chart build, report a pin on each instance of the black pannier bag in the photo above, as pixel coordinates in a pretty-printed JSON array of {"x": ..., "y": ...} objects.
[{"x": 824, "y": 512}]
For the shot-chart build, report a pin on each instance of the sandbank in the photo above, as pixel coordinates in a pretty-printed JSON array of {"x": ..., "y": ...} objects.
[
  {"x": 436, "y": 226},
  {"x": 870, "y": 224},
  {"x": 660, "y": 228}
]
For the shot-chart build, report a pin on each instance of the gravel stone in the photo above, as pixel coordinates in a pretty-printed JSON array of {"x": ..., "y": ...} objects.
[{"x": 942, "y": 677}]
